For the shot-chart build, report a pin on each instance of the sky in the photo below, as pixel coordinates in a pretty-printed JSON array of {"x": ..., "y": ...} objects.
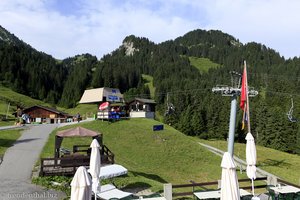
[{"x": 65, "y": 28}]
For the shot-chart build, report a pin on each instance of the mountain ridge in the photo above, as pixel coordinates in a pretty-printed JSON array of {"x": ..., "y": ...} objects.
[{"x": 198, "y": 112}]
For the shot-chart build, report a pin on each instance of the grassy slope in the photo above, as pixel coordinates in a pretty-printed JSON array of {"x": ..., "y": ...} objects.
[
  {"x": 149, "y": 83},
  {"x": 18, "y": 99},
  {"x": 276, "y": 162},
  {"x": 85, "y": 110},
  {"x": 149, "y": 80},
  {"x": 152, "y": 158},
  {"x": 202, "y": 64},
  {"x": 7, "y": 95},
  {"x": 7, "y": 138}
]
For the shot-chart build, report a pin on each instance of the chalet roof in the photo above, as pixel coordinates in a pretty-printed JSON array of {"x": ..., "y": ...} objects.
[
  {"x": 53, "y": 110},
  {"x": 146, "y": 101},
  {"x": 97, "y": 94}
]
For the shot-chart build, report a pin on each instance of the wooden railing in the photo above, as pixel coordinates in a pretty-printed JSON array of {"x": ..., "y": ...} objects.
[
  {"x": 68, "y": 164},
  {"x": 193, "y": 185},
  {"x": 62, "y": 166},
  {"x": 108, "y": 154},
  {"x": 288, "y": 183}
]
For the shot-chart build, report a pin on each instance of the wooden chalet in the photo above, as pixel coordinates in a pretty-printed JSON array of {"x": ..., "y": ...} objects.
[
  {"x": 144, "y": 108},
  {"x": 42, "y": 114}
]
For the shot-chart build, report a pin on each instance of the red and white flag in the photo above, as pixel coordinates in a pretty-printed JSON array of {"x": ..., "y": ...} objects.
[{"x": 244, "y": 90}]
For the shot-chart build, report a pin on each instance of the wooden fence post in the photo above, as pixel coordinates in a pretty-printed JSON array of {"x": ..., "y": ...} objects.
[
  {"x": 168, "y": 191},
  {"x": 271, "y": 180}
]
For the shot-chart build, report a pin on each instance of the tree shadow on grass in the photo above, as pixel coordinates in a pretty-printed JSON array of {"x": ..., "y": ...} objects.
[
  {"x": 25, "y": 140},
  {"x": 136, "y": 187},
  {"x": 149, "y": 176},
  {"x": 272, "y": 162},
  {"x": 6, "y": 142},
  {"x": 9, "y": 142}
]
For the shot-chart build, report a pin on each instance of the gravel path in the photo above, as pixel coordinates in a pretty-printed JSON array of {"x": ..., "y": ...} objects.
[{"x": 18, "y": 162}]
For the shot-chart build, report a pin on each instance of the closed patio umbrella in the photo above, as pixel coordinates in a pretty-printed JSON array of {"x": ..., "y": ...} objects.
[
  {"x": 103, "y": 106},
  {"x": 229, "y": 182},
  {"x": 251, "y": 158},
  {"x": 81, "y": 185},
  {"x": 95, "y": 164}
]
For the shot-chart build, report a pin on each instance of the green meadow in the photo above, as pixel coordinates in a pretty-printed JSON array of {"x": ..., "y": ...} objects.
[
  {"x": 202, "y": 64},
  {"x": 7, "y": 138},
  {"x": 168, "y": 156}
]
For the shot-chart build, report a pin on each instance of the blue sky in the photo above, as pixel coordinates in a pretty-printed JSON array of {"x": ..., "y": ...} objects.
[{"x": 64, "y": 28}]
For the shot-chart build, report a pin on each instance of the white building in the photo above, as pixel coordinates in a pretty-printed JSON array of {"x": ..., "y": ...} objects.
[{"x": 99, "y": 95}]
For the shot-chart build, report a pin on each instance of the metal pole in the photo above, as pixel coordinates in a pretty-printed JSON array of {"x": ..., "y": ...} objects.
[{"x": 232, "y": 125}]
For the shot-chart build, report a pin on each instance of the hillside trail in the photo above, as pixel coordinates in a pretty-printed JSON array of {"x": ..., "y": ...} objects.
[{"x": 18, "y": 162}]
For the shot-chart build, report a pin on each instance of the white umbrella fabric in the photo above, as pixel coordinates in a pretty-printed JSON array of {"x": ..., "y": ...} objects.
[
  {"x": 229, "y": 182},
  {"x": 110, "y": 171},
  {"x": 81, "y": 185},
  {"x": 251, "y": 158},
  {"x": 95, "y": 164}
]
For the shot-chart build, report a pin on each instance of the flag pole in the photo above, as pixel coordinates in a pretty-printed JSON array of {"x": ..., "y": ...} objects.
[
  {"x": 248, "y": 116},
  {"x": 247, "y": 101}
]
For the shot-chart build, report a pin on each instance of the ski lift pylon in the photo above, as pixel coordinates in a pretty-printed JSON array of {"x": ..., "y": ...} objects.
[{"x": 170, "y": 107}]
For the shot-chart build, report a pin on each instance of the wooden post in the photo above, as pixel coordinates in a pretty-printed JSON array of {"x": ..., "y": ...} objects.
[
  {"x": 271, "y": 180},
  {"x": 168, "y": 191}
]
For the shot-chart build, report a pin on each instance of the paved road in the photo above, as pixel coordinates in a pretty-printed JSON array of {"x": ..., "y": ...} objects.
[{"x": 18, "y": 162}]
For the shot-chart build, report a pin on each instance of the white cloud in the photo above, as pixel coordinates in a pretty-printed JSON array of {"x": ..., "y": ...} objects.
[
  {"x": 99, "y": 26},
  {"x": 271, "y": 22}
]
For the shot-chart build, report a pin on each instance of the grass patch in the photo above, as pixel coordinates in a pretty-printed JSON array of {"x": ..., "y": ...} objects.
[
  {"x": 49, "y": 182},
  {"x": 7, "y": 122},
  {"x": 7, "y": 138},
  {"x": 273, "y": 161},
  {"x": 85, "y": 110},
  {"x": 203, "y": 64},
  {"x": 149, "y": 83}
]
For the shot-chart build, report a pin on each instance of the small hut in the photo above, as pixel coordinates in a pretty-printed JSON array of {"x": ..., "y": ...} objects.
[{"x": 142, "y": 108}]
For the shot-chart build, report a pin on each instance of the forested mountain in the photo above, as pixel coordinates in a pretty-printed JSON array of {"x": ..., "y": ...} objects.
[{"x": 198, "y": 111}]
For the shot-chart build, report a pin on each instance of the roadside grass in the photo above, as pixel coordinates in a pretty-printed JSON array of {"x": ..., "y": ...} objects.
[
  {"x": 202, "y": 64},
  {"x": 7, "y": 138},
  {"x": 7, "y": 122},
  {"x": 149, "y": 83},
  {"x": 281, "y": 164}
]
